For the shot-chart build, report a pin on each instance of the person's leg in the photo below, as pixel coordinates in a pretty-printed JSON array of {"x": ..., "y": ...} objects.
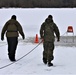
[
  {"x": 12, "y": 45},
  {"x": 9, "y": 46},
  {"x": 50, "y": 53},
  {"x": 45, "y": 45},
  {"x": 13, "y": 48}
]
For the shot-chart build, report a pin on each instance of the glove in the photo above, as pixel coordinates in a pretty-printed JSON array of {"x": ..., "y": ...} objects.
[
  {"x": 2, "y": 38},
  {"x": 42, "y": 39},
  {"x": 58, "y": 40},
  {"x": 23, "y": 37}
]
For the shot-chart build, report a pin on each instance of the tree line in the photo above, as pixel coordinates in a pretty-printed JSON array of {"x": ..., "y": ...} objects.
[{"x": 37, "y": 3}]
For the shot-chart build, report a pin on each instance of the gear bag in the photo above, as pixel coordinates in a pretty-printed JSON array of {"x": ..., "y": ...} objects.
[{"x": 12, "y": 28}]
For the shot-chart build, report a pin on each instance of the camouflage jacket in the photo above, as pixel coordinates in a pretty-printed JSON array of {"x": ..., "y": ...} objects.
[
  {"x": 12, "y": 28},
  {"x": 48, "y": 29}
]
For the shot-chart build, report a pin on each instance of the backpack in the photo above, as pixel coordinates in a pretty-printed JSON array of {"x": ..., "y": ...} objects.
[
  {"x": 12, "y": 27},
  {"x": 49, "y": 28}
]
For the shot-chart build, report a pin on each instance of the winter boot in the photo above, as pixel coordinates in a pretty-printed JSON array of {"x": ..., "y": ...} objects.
[
  {"x": 50, "y": 64},
  {"x": 45, "y": 61},
  {"x": 12, "y": 58}
]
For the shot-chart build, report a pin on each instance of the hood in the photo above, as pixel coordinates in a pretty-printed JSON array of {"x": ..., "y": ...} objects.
[{"x": 48, "y": 20}]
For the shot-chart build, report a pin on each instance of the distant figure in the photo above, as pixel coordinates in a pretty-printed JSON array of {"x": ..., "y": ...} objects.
[
  {"x": 47, "y": 30},
  {"x": 12, "y": 28}
]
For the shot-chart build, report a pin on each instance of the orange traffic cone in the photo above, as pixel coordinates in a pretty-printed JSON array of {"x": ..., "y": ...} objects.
[{"x": 36, "y": 39}]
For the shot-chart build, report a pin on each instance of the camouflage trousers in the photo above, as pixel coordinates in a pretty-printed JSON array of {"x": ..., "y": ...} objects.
[{"x": 48, "y": 51}]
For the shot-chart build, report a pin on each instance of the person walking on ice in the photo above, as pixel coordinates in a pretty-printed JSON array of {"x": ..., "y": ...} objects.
[
  {"x": 47, "y": 31},
  {"x": 12, "y": 28}
]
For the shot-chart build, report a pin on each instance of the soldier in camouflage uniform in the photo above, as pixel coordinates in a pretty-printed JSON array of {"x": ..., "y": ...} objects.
[
  {"x": 12, "y": 28},
  {"x": 47, "y": 30}
]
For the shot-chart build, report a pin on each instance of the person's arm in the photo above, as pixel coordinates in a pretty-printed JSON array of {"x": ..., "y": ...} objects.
[
  {"x": 3, "y": 31},
  {"x": 57, "y": 32},
  {"x": 20, "y": 29},
  {"x": 42, "y": 31}
]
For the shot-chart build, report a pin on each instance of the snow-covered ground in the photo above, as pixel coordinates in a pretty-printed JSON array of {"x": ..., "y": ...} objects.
[
  {"x": 30, "y": 62},
  {"x": 64, "y": 61}
]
